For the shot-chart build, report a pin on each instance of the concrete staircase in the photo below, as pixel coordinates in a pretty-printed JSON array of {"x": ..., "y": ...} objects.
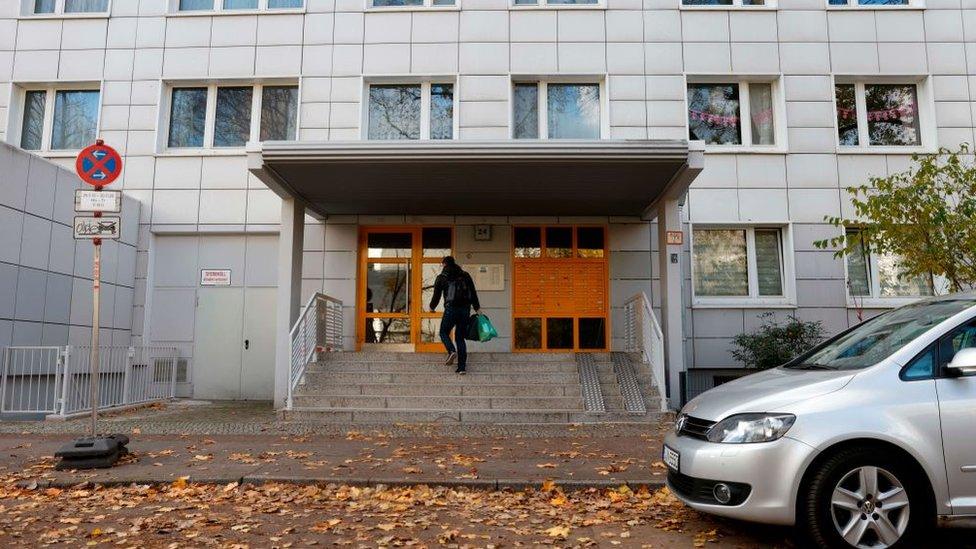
[{"x": 500, "y": 388}]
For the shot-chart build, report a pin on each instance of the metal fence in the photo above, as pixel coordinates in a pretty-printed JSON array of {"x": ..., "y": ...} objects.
[
  {"x": 57, "y": 380},
  {"x": 643, "y": 336},
  {"x": 318, "y": 330}
]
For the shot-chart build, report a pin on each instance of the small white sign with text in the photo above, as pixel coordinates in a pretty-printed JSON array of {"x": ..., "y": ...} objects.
[{"x": 215, "y": 277}]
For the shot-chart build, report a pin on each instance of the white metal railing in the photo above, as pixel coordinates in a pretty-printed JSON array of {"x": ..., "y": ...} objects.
[
  {"x": 57, "y": 380},
  {"x": 318, "y": 330},
  {"x": 644, "y": 336}
]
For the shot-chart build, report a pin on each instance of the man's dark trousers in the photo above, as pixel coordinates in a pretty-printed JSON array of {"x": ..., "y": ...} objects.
[{"x": 456, "y": 318}]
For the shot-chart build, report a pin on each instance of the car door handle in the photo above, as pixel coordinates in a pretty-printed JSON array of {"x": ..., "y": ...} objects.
[
  {"x": 968, "y": 468},
  {"x": 247, "y": 344}
]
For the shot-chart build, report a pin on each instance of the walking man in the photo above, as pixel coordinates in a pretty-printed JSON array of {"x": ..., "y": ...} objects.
[{"x": 460, "y": 296}]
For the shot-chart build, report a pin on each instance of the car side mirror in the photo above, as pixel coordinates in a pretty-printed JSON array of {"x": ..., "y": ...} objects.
[{"x": 964, "y": 363}]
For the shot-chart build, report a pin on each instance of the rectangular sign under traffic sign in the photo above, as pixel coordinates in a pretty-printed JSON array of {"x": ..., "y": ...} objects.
[
  {"x": 90, "y": 228},
  {"x": 98, "y": 201}
]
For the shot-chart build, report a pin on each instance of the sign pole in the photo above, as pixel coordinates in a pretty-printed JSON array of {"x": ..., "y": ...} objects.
[{"x": 96, "y": 290}]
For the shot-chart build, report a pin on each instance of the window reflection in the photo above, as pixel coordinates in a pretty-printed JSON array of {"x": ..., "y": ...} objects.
[
  {"x": 240, "y": 4},
  {"x": 441, "y": 111},
  {"x": 720, "y": 262},
  {"x": 32, "y": 131},
  {"x": 44, "y": 6},
  {"x": 387, "y": 283},
  {"x": 85, "y": 6},
  {"x": 194, "y": 5},
  {"x": 574, "y": 111},
  {"x": 846, "y": 114},
  {"x": 232, "y": 125},
  {"x": 713, "y": 113},
  {"x": 275, "y": 4},
  {"x": 394, "y": 111},
  {"x": 892, "y": 113},
  {"x": 526, "y": 111},
  {"x": 188, "y": 116},
  {"x": 75, "y": 119},
  {"x": 279, "y": 113}
]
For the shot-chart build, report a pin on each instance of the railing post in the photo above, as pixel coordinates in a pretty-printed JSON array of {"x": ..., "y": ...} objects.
[
  {"x": 3, "y": 381},
  {"x": 65, "y": 380},
  {"x": 127, "y": 374},
  {"x": 172, "y": 382}
]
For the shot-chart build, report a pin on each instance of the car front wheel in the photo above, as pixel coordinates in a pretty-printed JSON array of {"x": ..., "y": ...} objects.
[{"x": 859, "y": 498}]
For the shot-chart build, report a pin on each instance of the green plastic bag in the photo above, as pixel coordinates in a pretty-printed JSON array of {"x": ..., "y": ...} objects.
[{"x": 486, "y": 332}]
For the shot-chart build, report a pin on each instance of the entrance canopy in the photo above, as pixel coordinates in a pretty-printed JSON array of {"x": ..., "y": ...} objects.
[{"x": 513, "y": 177}]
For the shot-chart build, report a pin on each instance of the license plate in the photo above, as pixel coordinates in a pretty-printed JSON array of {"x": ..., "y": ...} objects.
[{"x": 672, "y": 458}]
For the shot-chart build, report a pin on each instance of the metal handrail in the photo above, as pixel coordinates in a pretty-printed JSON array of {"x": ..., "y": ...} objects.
[
  {"x": 317, "y": 330},
  {"x": 644, "y": 336}
]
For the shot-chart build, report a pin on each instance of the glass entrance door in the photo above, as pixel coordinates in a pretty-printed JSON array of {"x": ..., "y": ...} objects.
[{"x": 398, "y": 266}]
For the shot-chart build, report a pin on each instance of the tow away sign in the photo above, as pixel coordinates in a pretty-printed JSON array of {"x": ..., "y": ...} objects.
[
  {"x": 98, "y": 201},
  {"x": 90, "y": 228}
]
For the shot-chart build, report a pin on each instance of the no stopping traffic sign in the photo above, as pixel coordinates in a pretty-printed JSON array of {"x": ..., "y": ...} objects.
[{"x": 99, "y": 164}]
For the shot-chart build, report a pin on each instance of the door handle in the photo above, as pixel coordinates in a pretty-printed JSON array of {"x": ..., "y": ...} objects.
[{"x": 247, "y": 344}]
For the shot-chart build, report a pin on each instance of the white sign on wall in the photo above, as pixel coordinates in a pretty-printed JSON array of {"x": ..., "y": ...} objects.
[
  {"x": 487, "y": 278},
  {"x": 215, "y": 277}
]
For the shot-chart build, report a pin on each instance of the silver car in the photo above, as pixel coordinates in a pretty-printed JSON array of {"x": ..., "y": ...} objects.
[{"x": 862, "y": 442}]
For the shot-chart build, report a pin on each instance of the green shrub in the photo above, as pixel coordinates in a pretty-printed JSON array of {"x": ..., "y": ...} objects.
[{"x": 775, "y": 343}]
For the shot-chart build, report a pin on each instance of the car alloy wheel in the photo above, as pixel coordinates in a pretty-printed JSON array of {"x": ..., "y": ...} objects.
[{"x": 870, "y": 508}]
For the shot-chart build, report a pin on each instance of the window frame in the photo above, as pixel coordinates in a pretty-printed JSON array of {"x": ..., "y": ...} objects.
[
  {"x": 779, "y": 111},
  {"x": 27, "y": 12},
  {"x": 425, "y": 104},
  {"x": 16, "y": 123},
  {"x": 218, "y": 9},
  {"x": 926, "y": 115},
  {"x": 736, "y": 5},
  {"x": 753, "y": 300},
  {"x": 428, "y": 5},
  {"x": 257, "y": 95},
  {"x": 542, "y": 107},
  {"x": 940, "y": 286},
  {"x": 854, "y": 5}
]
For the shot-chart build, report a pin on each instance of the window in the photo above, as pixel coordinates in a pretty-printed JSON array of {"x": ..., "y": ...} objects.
[
  {"x": 411, "y": 3},
  {"x": 873, "y": 276},
  {"x": 59, "y": 120},
  {"x": 58, "y": 7},
  {"x": 739, "y": 262},
  {"x": 874, "y": 115},
  {"x": 410, "y": 111},
  {"x": 937, "y": 356},
  {"x": 230, "y": 116},
  {"x": 732, "y": 113},
  {"x": 556, "y": 110},
  {"x": 735, "y": 3},
  {"x": 874, "y": 3},
  {"x": 556, "y": 2},
  {"x": 231, "y": 5}
]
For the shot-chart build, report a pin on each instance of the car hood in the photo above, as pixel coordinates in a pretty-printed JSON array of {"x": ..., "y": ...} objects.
[{"x": 767, "y": 391}]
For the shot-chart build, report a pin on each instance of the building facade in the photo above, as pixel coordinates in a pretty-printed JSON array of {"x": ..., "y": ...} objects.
[{"x": 544, "y": 143}]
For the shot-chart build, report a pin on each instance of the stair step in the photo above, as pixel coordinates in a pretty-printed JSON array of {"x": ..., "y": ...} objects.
[
  {"x": 440, "y": 367},
  {"x": 320, "y": 379},
  {"x": 389, "y": 415},
  {"x": 378, "y": 356},
  {"x": 440, "y": 403},
  {"x": 454, "y": 389}
]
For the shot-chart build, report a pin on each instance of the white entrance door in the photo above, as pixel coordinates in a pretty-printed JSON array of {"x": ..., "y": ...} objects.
[
  {"x": 257, "y": 363},
  {"x": 217, "y": 343}
]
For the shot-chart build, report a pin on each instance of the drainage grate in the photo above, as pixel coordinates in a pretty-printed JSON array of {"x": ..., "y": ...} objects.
[
  {"x": 590, "y": 381},
  {"x": 623, "y": 367}
]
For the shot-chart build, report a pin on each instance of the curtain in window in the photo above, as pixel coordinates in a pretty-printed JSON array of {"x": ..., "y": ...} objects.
[
  {"x": 394, "y": 112},
  {"x": 232, "y": 124},
  {"x": 713, "y": 114},
  {"x": 892, "y": 114},
  {"x": 441, "y": 111},
  {"x": 85, "y": 6},
  {"x": 761, "y": 114},
  {"x": 846, "y": 114},
  {"x": 574, "y": 111},
  {"x": 75, "y": 119},
  {"x": 279, "y": 113},
  {"x": 525, "y": 112},
  {"x": 240, "y": 4},
  {"x": 720, "y": 261},
  {"x": 32, "y": 131},
  {"x": 858, "y": 267},
  {"x": 188, "y": 117},
  {"x": 44, "y": 6},
  {"x": 769, "y": 262},
  {"x": 195, "y": 5}
]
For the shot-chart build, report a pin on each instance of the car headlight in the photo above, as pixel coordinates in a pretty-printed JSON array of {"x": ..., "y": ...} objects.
[{"x": 747, "y": 428}]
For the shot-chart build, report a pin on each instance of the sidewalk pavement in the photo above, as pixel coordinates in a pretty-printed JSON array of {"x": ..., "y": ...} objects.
[{"x": 176, "y": 441}]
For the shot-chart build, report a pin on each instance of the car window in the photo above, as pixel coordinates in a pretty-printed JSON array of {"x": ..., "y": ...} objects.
[
  {"x": 963, "y": 337},
  {"x": 922, "y": 367}
]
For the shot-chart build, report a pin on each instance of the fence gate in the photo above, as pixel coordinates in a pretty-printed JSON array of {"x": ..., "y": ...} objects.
[{"x": 31, "y": 380}]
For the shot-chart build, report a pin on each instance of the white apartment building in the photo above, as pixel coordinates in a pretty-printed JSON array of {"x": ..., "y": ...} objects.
[{"x": 555, "y": 147}]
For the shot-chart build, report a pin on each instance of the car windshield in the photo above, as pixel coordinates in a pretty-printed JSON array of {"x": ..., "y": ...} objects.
[{"x": 875, "y": 340}]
